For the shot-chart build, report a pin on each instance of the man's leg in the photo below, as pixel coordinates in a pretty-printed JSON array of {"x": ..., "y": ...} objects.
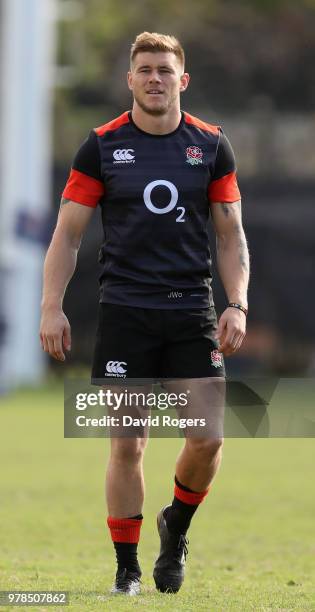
[
  {"x": 125, "y": 496},
  {"x": 128, "y": 345},
  {"x": 198, "y": 462},
  {"x": 125, "y": 487},
  {"x": 124, "y": 477},
  {"x": 200, "y": 458},
  {"x": 196, "y": 467}
]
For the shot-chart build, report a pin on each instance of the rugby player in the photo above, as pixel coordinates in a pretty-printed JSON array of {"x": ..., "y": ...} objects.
[{"x": 157, "y": 174}]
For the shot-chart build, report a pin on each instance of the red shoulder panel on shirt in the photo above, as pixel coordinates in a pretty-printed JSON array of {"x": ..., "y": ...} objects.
[
  {"x": 224, "y": 189},
  {"x": 112, "y": 125},
  {"x": 83, "y": 189},
  {"x": 214, "y": 129}
]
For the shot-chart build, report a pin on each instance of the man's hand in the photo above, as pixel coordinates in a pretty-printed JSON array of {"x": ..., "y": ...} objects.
[
  {"x": 231, "y": 331},
  {"x": 55, "y": 333}
]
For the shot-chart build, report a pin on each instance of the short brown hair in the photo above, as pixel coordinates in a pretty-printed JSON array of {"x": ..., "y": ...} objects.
[{"x": 154, "y": 42}]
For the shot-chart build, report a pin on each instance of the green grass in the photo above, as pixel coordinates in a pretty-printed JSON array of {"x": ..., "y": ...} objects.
[{"x": 252, "y": 542}]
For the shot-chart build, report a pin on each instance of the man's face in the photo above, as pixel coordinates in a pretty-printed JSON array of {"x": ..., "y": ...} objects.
[{"x": 156, "y": 80}]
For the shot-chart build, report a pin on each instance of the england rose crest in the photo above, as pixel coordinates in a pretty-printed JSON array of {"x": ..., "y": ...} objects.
[
  {"x": 216, "y": 358},
  {"x": 194, "y": 155}
]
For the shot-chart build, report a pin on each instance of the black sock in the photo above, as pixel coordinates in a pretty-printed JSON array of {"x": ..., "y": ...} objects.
[
  {"x": 127, "y": 553},
  {"x": 127, "y": 557},
  {"x": 178, "y": 516}
]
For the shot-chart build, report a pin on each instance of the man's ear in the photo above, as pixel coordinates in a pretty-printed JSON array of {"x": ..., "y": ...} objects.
[
  {"x": 184, "y": 81},
  {"x": 129, "y": 79}
]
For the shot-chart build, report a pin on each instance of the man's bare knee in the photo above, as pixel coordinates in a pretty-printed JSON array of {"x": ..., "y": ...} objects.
[
  {"x": 129, "y": 450},
  {"x": 204, "y": 448}
]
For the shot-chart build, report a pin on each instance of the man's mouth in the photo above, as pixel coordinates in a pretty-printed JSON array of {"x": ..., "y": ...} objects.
[{"x": 154, "y": 92}]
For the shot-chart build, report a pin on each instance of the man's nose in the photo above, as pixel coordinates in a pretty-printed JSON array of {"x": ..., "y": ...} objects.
[{"x": 154, "y": 76}]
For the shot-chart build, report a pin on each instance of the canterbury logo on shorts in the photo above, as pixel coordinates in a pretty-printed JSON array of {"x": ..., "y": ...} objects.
[{"x": 116, "y": 368}]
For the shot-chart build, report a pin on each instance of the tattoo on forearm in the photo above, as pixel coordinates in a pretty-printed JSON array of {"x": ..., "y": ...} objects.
[
  {"x": 233, "y": 240},
  {"x": 63, "y": 202},
  {"x": 242, "y": 247},
  {"x": 225, "y": 209}
]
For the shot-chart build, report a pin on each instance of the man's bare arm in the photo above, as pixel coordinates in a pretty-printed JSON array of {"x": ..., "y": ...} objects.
[
  {"x": 233, "y": 266},
  {"x": 59, "y": 266},
  {"x": 232, "y": 251}
]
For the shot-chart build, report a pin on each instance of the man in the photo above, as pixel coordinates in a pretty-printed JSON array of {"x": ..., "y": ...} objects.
[{"x": 156, "y": 172}]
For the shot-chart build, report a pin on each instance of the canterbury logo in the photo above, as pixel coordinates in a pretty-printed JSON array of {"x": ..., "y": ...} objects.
[
  {"x": 175, "y": 294},
  {"x": 124, "y": 156},
  {"x": 116, "y": 367}
]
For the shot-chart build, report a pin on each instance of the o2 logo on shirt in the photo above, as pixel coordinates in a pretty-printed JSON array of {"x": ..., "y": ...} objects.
[{"x": 147, "y": 197}]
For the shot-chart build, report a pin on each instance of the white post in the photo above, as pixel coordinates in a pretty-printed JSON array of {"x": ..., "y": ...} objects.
[{"x": 26, "y": 120}]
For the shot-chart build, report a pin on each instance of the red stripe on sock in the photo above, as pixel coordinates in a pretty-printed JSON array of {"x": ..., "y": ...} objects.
[
  {"x": 193, "y": 499},
  {"x": 124, "y": 530}
]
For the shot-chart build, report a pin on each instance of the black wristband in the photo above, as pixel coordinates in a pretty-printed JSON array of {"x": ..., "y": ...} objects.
[{"x": 239, "y": 307}]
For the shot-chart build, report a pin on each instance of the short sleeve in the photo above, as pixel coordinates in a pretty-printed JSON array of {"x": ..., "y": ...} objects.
[
  {"x": 85, "y": 184},
  {"x": 223, "y": 186}
]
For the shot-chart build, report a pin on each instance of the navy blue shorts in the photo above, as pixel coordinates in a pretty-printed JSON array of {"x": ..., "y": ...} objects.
[{"x": 134, "y": 342}]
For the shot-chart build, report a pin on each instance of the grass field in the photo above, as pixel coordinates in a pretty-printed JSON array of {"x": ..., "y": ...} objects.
[{"x": 252, "y": 543}]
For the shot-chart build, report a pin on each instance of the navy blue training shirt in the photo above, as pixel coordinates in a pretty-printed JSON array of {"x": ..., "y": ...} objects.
[{"x": 154, "y": 192}]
